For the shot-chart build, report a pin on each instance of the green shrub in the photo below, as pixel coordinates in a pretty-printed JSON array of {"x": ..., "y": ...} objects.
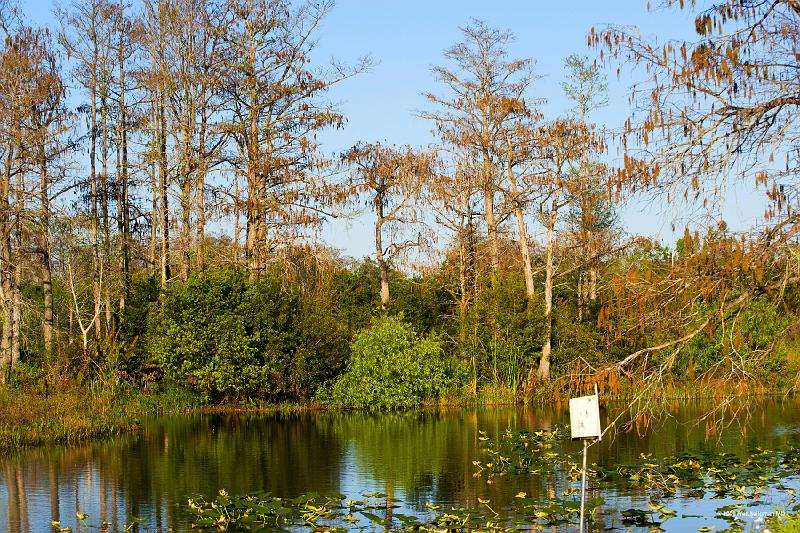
[
  {"x": 392, "y": 367},
  {"x": 25, "y": 374},
  {"x": 230, "y": 338}
]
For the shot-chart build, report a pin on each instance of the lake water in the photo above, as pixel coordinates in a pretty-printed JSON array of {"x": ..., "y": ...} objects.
[{"x": 416, "y": 457}]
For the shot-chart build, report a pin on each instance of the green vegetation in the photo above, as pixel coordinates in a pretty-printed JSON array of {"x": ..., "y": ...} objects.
[
  {"x": 228, "y": 338},
  {"x": 784, "y": 523},
  {"x": 390, "y": 367},
  {"x": 257, "y": 511},
  {"x": 67, "y": 412}
]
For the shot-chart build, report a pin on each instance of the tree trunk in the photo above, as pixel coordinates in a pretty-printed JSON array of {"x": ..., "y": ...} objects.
[
  {"x": 164, "y": 183},
  {"x": 7, "y": 265},
  {"x": 253, "y": 232},
  {"x": 95, "y": 222},
  {"x": 16, "y": 318},
  {"x": 44, "y": 245},
  {"x": 17, "y": 276},
  {"x": 155, "y": 217},
  {"x": 543, "y": 373},
  {"x": 123, "y": 208},
  {"x": 71, "y": 330},
  {"x": 523, "y": 235},
  {"x": 462, "y": 277},
  {"x": 491, "y": 228},
  {"x": 472, "y": 261},
  {"x": 236, "y": 218},
  {"x": 530, "y": 290},
  {"x": 104, "y": 121},
  {"x": 543, "y": 370},
  {"x": 201, "y": 205},
  {"x": 202, "y": 167},
  {"x": 186, "y": 189},
  {"x": 383, "y": 266},
  {"x": 186, "y": 235}
]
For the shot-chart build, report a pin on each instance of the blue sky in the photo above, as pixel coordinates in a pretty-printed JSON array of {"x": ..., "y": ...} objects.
[{"x": 406, "y": 37}]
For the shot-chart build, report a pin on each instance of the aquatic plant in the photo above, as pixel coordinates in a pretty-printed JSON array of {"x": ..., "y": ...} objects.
[{"x": 257, "y": 511}]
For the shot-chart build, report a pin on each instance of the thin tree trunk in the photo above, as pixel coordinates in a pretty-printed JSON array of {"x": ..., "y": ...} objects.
[
  {"x": 200, "y": 191},
  {"x": 491, "y": 224},
  {"x": 186, "y": 235},
  {"x": 104, "y": 141},
  {"x": 201, "y": 219},
  {"x": 123, "y": 208},
  {"x": 186, "y": 191},
  {"x": 44, "y": 244},
  {"x": 523, "y": 236},
  {"x": 162, "y": 167},
  {"x": 71, "y": 330},
  {"x": 462, "y": 277},
  {"x": 8, "y": 265},
  {"x": 16, "y": 317},
  {"x": 155, "y": 222},
  {"x": 16, "y": 313},
  {"x": 543, "y": 372},
  {"x": 236, "y": 218},
  {"x": 530, "y": 289},
  {"x": 104, "y": 210},
  {"x": 250, "y": 242},
  {"x": 93, "y": 176},
  {"x": 491, "y": 221},
  {"x": 202, "y": 167}
]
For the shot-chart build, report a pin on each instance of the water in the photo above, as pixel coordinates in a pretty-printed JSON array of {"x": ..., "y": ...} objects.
[{"x": 418, "y": 457}]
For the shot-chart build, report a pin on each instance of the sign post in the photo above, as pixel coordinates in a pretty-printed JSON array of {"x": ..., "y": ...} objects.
[{"x": 584, "y": 419}]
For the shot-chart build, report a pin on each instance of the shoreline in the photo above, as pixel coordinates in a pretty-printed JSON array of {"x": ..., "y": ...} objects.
[{"x": 73, "y": 413}]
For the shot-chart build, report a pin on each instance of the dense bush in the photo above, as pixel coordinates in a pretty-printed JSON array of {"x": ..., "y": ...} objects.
[
  {"x": 230, "y": 338},
  {"x": 392, "y": 367}
]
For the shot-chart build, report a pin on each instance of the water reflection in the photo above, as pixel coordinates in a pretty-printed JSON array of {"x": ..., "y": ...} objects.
[{"x": 417, "y": 457}]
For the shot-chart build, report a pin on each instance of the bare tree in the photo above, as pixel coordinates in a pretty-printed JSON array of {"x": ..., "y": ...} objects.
[
  {"x": 274, "y": 104},
  {"x": 484, "y": 98},
  {"x": 85, "y": 36},
  {"x": 392, "y": 180}
]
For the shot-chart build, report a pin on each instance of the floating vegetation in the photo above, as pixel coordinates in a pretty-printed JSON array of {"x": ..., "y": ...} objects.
[
  {"x": 257, "y": 511},
  {"x": 524, "y": 452},
  {"x": 687, "y": 475},
  {"x": 134, "y": 524}
]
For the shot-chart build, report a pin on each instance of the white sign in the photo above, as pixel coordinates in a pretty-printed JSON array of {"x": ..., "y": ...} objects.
[{"x": 584, "y": 417}]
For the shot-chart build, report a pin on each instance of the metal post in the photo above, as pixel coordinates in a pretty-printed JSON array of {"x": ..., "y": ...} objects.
[{"x": 583, "y": 483}]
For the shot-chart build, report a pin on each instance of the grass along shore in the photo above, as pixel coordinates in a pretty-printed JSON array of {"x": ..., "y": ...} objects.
[{"x": 68, "y": 412}]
